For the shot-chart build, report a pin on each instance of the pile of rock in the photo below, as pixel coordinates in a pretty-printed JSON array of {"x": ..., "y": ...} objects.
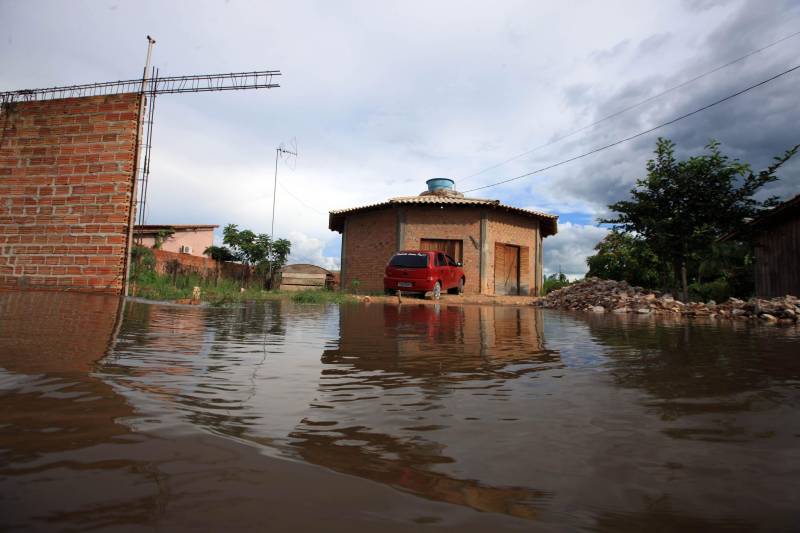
[{"x": 608, "y": 296}]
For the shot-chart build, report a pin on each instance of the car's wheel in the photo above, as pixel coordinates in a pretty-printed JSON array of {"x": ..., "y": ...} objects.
[
  {"x": 458, "y": 289},
  {"x": 437, "y": 291}
]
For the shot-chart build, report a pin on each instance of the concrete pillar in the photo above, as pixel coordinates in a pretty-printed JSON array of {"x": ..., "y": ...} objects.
[
  {"x": 484, "y": 263},
  {"x": 342, "y": 280},
  {"x": 401, "y": 229}
]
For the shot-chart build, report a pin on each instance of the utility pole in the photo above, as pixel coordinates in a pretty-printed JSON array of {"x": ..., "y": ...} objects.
[{"x": 279, "y": 151}]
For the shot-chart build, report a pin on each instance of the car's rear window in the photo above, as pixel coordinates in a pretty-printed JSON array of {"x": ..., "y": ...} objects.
[{"x": 410, "y": 260}]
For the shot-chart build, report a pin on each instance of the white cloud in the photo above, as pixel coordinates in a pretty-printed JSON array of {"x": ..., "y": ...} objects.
[
  {"x": 307, "y": 249},
  {"x": 567, "y": 250},
  {"x": 376, "y": 113}
]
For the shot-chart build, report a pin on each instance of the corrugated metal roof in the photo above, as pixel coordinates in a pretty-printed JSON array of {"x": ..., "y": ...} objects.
[{"x": 336, "y": 219}]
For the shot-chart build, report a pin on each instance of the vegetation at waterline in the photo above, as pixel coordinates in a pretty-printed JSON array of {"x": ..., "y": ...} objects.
[
  {"x": 666, "y": 235},
  {"x": 557, "y": 280},
  {"x": 152, "y": 285},
  {"x": 252, "y": 249}
]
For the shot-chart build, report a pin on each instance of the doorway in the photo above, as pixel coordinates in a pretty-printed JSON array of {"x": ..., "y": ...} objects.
[{"x": 506, "y": 269}]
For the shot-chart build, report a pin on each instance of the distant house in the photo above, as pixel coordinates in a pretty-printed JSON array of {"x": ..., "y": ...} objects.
[
  {"x": 499, "y": 245},
  {"x": 190, "y": 239},
  {"x": 776, "y": 235},
  {"x": 304, "y": 276}
]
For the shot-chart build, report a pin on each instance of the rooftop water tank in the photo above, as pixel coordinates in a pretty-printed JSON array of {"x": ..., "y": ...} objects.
[{"x": 437, "y": 184}]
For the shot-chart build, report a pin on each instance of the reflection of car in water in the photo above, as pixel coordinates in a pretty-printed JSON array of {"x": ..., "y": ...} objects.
[
  {"x": 425, "y": 321},
  {"x": 423, "y": 271}
]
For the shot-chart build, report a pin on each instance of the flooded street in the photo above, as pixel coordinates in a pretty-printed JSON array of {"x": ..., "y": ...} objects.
[{"x": 277, "y": 416}]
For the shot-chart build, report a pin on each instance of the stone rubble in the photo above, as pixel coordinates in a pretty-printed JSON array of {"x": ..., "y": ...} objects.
[{"x": 608, "y": 296}]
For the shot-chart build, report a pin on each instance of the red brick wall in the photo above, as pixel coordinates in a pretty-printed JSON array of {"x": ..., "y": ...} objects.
[
  {"x": 65, "y": 192},
  {"x": 448, "y": 223},
  {"x": 509, "y": 228},
  {"x": 370, "y": 241},
  {"x": 205, "y": 266}
]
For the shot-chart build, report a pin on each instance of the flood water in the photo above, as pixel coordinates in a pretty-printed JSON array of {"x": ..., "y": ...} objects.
[{"x": 279, "y": 416}]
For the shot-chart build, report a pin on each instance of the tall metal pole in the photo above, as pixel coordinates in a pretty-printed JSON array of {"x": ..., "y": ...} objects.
[
  {"x": 274, "y": 193},
  {"x": 136, "y": 169}
]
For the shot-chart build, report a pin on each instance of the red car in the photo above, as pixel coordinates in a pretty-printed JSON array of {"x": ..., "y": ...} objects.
[{"x": 422, "y": 271}]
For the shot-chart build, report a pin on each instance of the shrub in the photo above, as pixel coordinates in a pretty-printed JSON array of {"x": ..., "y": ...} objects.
[{"x": 718, "y": 290}]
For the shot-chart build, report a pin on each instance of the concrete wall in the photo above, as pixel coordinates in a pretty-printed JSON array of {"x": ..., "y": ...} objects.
[
  {"x": 199, "y": 240},
  {"x": 66, "y": 170}
]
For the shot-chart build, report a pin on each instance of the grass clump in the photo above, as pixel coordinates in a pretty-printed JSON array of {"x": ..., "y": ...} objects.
[{"x": 319, "y": 296}]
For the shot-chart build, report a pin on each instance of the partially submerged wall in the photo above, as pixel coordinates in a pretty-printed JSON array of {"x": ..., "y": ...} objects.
[{"x": 66, "y": 178}]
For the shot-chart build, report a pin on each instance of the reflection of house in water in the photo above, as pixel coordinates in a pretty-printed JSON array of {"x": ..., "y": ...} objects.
[{"x": 369, "y": 421}]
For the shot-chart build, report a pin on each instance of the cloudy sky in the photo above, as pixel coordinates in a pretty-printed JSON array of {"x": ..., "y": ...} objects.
[{"x": 384, "y": 95}]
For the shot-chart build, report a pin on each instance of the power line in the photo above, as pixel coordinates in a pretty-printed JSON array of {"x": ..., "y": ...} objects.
[
  {"x": 301, "y": 202},
  {"x": 634, "y": 106},
  {"x": 645, "y": 132}
]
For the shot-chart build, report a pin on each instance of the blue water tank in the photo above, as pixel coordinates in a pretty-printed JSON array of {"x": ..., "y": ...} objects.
[{"x": 436, "y": 184}]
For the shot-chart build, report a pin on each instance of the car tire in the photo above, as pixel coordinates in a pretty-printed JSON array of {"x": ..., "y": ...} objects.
[
  {"x": 458, "y": 289},
  {"x": 437, "y": 291}
]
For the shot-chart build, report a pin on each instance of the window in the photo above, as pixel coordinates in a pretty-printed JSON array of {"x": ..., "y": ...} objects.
[
  {"x": 409, "y": 261},
  {"x": 451, "y": 262},
  {"x": 440, "y": 260},
  {"x": 452, "y": 247}
]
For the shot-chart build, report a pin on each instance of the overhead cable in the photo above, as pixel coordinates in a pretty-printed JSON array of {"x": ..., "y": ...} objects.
[
  {"x": 634, "y": 106},
  {"x": 641, "y": 133}
]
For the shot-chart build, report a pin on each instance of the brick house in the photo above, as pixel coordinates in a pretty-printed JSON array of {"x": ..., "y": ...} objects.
[
  {"x": 190, "y": 239},
  {"x": 500, "y": 246}
]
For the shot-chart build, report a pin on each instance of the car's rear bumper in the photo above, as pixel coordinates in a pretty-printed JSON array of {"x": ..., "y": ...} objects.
[{"x": 417, "y": 285}]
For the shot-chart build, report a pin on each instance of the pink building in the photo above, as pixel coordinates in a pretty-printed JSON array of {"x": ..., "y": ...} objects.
[{"x": 190, "y": 239}]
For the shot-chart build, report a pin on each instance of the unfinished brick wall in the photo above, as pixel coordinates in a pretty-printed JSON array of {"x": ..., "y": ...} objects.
[{"x": 66, "y": 171}]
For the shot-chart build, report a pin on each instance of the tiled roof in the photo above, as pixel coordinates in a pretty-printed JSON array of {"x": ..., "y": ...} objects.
[{"x": 550, "y": 222}]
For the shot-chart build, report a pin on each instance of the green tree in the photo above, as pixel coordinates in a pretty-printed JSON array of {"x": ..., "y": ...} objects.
[
  {"x": 682, "y": 207},
  {"x": 219, "y": 253},
  {"x": 257, "y": 250},
  {"x": 554, "y": 281},
  {"x": 623, "y": 257}
]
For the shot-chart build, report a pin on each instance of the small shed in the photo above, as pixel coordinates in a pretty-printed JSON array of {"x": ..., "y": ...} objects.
[
  {"x": 500, "y": 246},
  {"x": 776, "y": 235},
  {"x": 302, "y": 277}
]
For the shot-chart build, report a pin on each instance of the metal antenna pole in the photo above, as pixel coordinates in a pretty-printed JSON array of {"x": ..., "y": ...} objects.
[{"x": 274, "y": 193}]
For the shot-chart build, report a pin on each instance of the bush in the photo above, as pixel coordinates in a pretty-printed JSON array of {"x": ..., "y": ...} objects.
[
  {"x": 554, "y": 282},
  {"x": 718, "y": 290}
]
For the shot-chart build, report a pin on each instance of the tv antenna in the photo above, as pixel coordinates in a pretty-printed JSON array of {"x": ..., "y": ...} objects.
[{"x": 288, "y": 154}]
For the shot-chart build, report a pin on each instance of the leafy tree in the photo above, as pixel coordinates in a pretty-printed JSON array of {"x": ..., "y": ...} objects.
[
  {"x": 621, "y": 256},
  {"x": 257, "y": 250},
  {"x": 219, "y": 253},
  {"x": 682, "y": 207},
  {"x": 554, "y": 281}
]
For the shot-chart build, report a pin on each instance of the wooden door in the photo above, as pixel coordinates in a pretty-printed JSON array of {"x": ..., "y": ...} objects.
[
  {"x": 506, "y": 269},
  {"x": 453, "y": 248}
]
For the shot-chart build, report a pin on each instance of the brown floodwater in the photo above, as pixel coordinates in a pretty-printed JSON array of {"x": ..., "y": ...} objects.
[{"x": 277, "y": 416}]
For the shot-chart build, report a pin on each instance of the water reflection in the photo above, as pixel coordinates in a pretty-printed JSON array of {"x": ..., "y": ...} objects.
[
  {"x": 383, "y": 409},
  {"x": 432, "y": 412}
]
